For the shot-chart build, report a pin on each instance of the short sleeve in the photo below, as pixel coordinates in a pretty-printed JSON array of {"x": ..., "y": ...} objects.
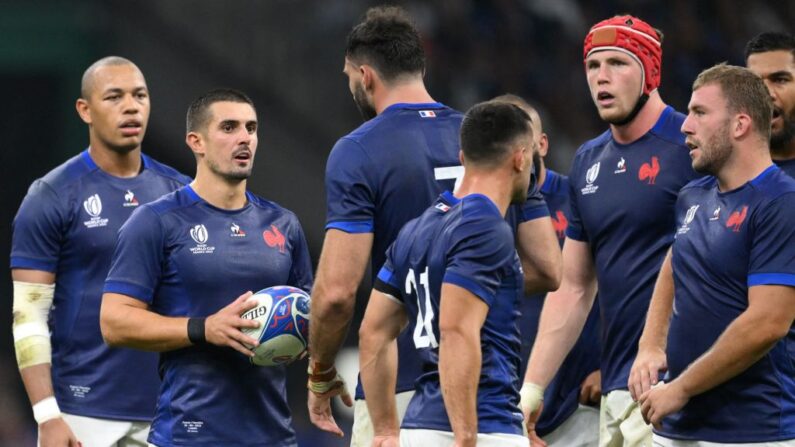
[
  {"x": 480, "y": 255},
  {"x": 575, "y": 229},
  {"x": 137, "y": 262},
  {"x": 387, "y": 280},
  {"x": 38, "y": 229},
  {"x": 772, "y": 260},
  {"x": 534, "y": 207},
  {"x": 350, "y": 189},
  {"x": 301, "y": 270}
]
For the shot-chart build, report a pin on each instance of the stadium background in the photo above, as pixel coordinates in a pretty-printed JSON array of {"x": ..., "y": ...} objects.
[{"x": 288, "y": 56}]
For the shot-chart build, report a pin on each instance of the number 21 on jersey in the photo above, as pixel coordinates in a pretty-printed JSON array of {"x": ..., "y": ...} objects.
[{"x": 423, "y": 328}]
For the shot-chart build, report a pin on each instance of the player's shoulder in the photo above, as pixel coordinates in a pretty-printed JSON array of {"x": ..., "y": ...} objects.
[
  {"x": 270, "y": 206},
  {"x": 69, "y": 172},
  {"x": 478, "y": 211},
  {"x": 394, "y": 119},
  {"x": 555, "y": 184},
  {"x": 668, "y": 128},
  {"x": 774, "y": 183},
  {"x": 594, "y": 145},
  {"x": 164, "y": 170},
  {"x": 700, "y": 184},
  {"x": 173, "y": 201}
]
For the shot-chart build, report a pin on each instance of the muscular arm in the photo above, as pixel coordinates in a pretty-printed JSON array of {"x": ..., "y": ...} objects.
[
  {"x": 37, "y": 378},
  {"x": 651, "y": 357},
  {"x": 768, "y": 319},
  {"x": 541, "y": 258},
  {"x": 343, "y": 262},
  {"x": 383, "y": 321},
  {"x": 564, "y": 313},
  {"x": 462, "y": 315},
  {"x": 128, "y": 322}
]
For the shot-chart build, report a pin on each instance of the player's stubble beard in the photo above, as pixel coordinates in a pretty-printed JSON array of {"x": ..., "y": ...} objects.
[
  {"x": 714, "y": 152},
  {"x": 232, "y": 175},
  {"x": 781, "y": 139},
  {"x": 366, "y": 109}
]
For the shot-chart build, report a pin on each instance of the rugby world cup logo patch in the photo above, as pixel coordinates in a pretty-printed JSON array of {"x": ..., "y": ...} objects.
[
  {"x": 93, "y": 207},
  {"x": 200, "y": 235},
  {"x": 689, "y": 216},
  {"x": 590, "y": 177}
]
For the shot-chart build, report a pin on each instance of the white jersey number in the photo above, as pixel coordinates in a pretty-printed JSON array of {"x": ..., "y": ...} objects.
[
  {"x": 450, "y": 172},
  {"x": 423, "y": 329}
]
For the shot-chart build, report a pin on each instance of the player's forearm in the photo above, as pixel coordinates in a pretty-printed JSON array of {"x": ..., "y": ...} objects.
[
  {"x": 742, "y": 344},
  {"x": 540, "y": 254},
  {"x": 332, "y": 311},
  {"x": 378, "y": 370},
  {"x": 38, "y": 382},
  {"x": 562, "y": 319},
  {"x": 655, "y": 332},
  {"x": 459, "y": 371},
  {"x": 133, "y": 327}
]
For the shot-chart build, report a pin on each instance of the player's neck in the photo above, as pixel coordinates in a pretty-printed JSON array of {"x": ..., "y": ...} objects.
[
  {"x": 219, "y": 192},
  {"x": 495, "y": 186},
  {"x": 784, "y": 152},
  {"x": 116, "y": 163},
  {"x": 413, "y": 92},
  {"x": 541, "y": 169},
  {"x": 745, "y": 165},
  {"x": 643, "y": 122}
]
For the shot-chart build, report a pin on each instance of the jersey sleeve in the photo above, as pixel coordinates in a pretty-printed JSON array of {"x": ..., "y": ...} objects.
[
  {"x": 137, "y": 262},
  {"x": 575, "y": 229},
  {"x": 301, "y": 270},
  {"x": 350, "y": 189},
  {"x": 38, "y": 229},
  {"x": 387, "y": 281},
  {"x": 479, "y": 254},
  {"x": 772, "y": 260},
  {"x": 534, "y": 207}
]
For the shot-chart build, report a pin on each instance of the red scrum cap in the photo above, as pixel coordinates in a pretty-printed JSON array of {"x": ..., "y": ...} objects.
[{"x": 634, "y": 37}]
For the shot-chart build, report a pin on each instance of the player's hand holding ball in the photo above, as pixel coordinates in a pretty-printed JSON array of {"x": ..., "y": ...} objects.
[{"x": 225, "y": 327}]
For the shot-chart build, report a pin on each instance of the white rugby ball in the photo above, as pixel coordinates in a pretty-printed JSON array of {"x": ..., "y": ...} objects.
[{"x": 283, "y": 333}]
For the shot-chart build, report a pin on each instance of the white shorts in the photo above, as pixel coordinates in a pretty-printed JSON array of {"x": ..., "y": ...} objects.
[
  {"x": 581, "y": 429},
  {"x": 620, "y": 422},
  {"x": 362, "y": 430},
  {"x": 661, "y": 441},
  {"x": 95, "y": 432},
  {"x": 432, "y": 438}
]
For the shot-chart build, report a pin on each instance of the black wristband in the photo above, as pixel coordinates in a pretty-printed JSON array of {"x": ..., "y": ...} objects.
[{"x": 196, "y": 331}]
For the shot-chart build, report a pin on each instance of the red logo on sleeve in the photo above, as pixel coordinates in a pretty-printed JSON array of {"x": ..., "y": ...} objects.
[
  {"x": 649, "y": 171},
  {"x": 274, "y": 238},
  {"x": 736, "y": 219},
  {"x": 559, "y": 222}
]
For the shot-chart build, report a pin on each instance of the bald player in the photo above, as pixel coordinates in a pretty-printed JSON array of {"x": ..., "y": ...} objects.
[{"x": 64, "y": 233}]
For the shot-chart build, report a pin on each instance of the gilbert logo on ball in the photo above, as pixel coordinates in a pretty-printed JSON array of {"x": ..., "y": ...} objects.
[{"x": 283, "y": 314}]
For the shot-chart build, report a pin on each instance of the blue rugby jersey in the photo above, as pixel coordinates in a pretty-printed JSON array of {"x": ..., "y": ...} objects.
[
  {"x": 622, "y": 204},
  {"x": 727, "y": 242},
  {"x": 561, "y": 397},
  {"x": 387, "y": 172},
  {"x": 187, "y": 258},
  {"x": 464, "y": 242},
  {"x": 67, "y": 225}
]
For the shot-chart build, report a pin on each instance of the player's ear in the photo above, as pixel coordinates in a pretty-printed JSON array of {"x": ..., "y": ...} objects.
[
  {"x": 368, "y": 77},
  {"x": 461, "y": 157},
  {"x": 543, "y": 145},
  {"x": 519, "y": 158},
  {"x": 194, "y": 142},
  {"x": 742, "y": 125},
  {"x": 83, "y": 110}
]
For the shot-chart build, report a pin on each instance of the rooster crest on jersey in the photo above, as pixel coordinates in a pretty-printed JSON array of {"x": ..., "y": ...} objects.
[
  {"x": 735, "y": 220},
  {"x": 649, "y": 171},
  {"x": 274, "y": 238},
  {"x": 283, "y": 314}
]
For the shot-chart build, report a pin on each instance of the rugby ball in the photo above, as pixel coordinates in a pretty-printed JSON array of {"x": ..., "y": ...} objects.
[{"x": 283, "y": 333}]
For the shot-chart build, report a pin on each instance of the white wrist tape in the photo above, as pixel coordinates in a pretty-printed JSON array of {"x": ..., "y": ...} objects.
[
  {"x": 531, "y": 397},
  {"x": 32, "y": 303},
  {"x": 46, "y": 409}
]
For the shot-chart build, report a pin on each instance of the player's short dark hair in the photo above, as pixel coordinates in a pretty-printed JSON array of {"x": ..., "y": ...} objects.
[
  {"x": 744, "y": 91},
  {"x": 770, "y": 41},
  {"x": 199, "y": 110},
  {"x": 388, "y": 41},
  {"x": 488, "y": 130}
]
